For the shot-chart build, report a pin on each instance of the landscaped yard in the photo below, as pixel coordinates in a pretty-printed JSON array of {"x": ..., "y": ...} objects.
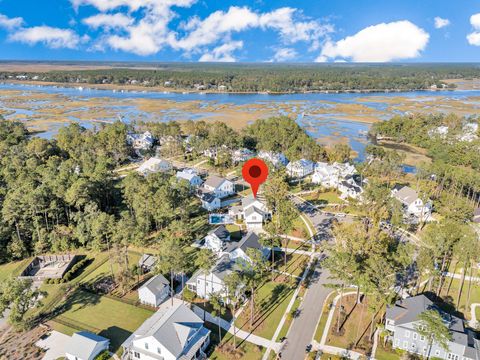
[
  {"x": 355, "y": 326},
  {"x": 244, "y": 351},
  {"x": 296, "y": 263},
  {"x": 13, "y": 268},
  {"x": 108, "y": 317},
  {"x": 272, "y": 299},
  {"x": 235, "y": 231},
  {"x": 385, "y": 353},
  {"x": 449, "y": 294},
  {"x": 105, "y": 269},
  {"x": 323, "y": 198},
  {"x": 299, "y": 229}
]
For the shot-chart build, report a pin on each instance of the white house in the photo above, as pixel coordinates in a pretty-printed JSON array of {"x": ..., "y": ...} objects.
[
  {"x": 84, "y": 345},
  {"x": 219, "y": 187},
  {"x": 205, "y": 283},
  {"x": 210, "y": 202},
  {"x": 276, "y": 159},
  {"x": 253, "y": 211},
  {"x": 330, "y": 176},
  {"x": 238, "y": 250},
  {"x": 154, "y": 165},
  {"x": 217, "y": 239},
  {"x": 191, "y": 176},
  {"x": 350, "y": 188},
  {"x": 154, "y": 291},
  {"x": 173, "y": 332},
  {"x": 300, "y": 168},
  {"x": 140, "y": 141},
  {"x": 412, "y": 203},
  {"x": 241, "y": 155}
]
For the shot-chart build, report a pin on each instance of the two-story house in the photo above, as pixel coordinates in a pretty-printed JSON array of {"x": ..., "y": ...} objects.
[
  {"x": 402, "y": 321},
  {"x": 172, "y": 333},
  {"x": 154, "y": 165},
  {"x": 412, "y": 203},
  {"x": 253, "y": 211},
  {"x": 277, "y": 159},
  {"x": 300, "y": 168},
  {"x": 191, "y": 176},
  {"x": 217, "y": 239},
  {"x": 218, "y": 186}
]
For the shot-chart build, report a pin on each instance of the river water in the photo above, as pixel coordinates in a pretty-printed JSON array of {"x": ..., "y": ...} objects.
[{"x": 322, "y": 126}]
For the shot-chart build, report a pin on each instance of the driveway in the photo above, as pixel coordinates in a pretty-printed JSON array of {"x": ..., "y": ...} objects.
[
  {"x": 304, "y": 325},
  {"x": 55, "y": 344}
]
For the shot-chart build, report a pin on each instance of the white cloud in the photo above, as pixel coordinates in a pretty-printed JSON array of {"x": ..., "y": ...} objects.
[
  {"x": 222, "y": 24},
  {"x": 108, "y": 21},
  {"x": 440, "y": 22},
  {"x": 223, "y": 53},
  {"x": 54, "y": 38},
  {"x": 379, "y": 43},
  {"x": 474, "y": 37},
  {"x": 284, "y": 54},
  {"x": 10, "y": 23}
]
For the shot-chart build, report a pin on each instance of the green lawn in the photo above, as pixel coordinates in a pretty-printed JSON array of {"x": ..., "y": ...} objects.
[
  {"x": 299, "y": 229},
  {"x": 235, "y": 231},
  {"x": 296, "y": 263},
  {"x": 289, "y": 319},
  {"x": 450, "y": 291},
  {"x": 105, "y": 269},
  {"x": 272, "y": 300},
  {"x": 13, "y": 268},
  {"x": 323, "y": 198},
  {"x": 386, "y": 354},
  {"x": 323, "y": 318},
  {"x": 110, "y": 318}
]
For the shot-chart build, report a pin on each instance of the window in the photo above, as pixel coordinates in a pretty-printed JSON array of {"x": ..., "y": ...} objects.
[
  {"x": 413, "y": 346},
  {"x": 425, "y": 350},
  {"x": 146, "y": 346},
  {"x": 437, "y": 352},
  {"x": 452, "y": 356},
  {"x": 159, "y": 350},
  {"x": 407, "y": 333},
  {"x": 422, "y": 338},
  {"x": 136, "y": 354},
  {"x": 397, "y": 342},
  {"x": 405, "y": 344},
  {"x": 415, "y": 336}
]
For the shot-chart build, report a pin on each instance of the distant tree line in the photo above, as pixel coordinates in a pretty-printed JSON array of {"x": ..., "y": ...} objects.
[{"x": 266, "y": 77}]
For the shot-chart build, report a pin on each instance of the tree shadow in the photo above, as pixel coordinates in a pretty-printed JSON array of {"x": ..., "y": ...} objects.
[{"x": 116, "y": 335}]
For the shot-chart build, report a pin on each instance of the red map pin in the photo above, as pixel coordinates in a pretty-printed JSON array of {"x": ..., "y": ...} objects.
[{"x": 255, "y": 172}]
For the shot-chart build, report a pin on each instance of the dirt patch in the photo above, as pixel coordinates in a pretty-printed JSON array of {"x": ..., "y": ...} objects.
[{"x": 21, "y": 345}]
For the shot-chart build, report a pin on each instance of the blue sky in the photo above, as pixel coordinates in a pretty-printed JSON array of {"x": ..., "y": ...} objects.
[{"x": 261, "y": 30}]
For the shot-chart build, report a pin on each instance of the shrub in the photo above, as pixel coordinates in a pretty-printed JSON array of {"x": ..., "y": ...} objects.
[
  {"x": 188, "y": 294},
  {"x": 104, "y": 355}
]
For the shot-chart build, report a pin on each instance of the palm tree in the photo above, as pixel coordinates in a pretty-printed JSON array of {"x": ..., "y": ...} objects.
[
  {"x": 433, "y": 327},
  {"x": 205, "y": 261}
]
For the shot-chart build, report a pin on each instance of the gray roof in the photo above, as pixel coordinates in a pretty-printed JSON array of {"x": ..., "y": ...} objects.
[
  {"x": 406, "y": 195},
  {"x": 221, "y": 232},
  {"x": 224, "y": 267},
  {"x": 156, "y": 284},
  {"x": 253, "y": 209},
  {"x": 172, "y": 329},
  {"x": 214, "y": 181},
  {"x": 407, "y": 311},
  {"x": 147, "y": 260},
  {"x": 83, "y": 343},
  {"x": 250, "y": 240},
  {"x": 208, "y": 197}
]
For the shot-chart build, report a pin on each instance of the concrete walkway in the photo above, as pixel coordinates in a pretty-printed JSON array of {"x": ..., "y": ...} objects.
[
  {"x": 228, "y": 326},
  {"x": 332, "y": 349},
  {"x": 474, "y": 322}
]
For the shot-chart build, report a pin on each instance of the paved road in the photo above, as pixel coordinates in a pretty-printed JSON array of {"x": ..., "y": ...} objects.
[{"x": 303, "y": 327}]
